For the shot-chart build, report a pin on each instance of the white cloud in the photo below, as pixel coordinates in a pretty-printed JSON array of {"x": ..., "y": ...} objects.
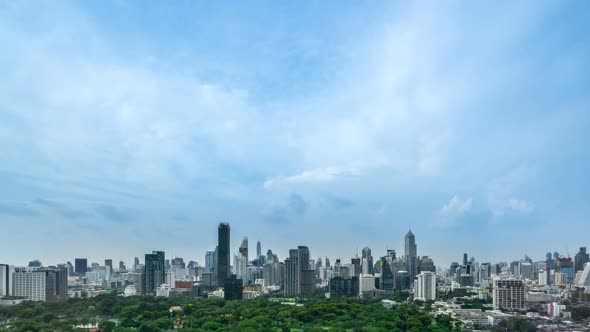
[
  {"x": 453, "y": 210},
  {"x": 318, "y": 175}
]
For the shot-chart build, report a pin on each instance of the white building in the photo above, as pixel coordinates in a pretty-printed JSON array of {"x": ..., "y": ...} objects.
[
  {"x": 554, "y": 309},
  {"x": 29, "y": 283},
  {"x": 560, "y": 279},
  {"x": 130, "y": 291},
  {"x": 425, "y": 286},
  {"x": 543, "y": 278},
  {"x": 584, "y": 278},
  {"x": 366, "y": 283},
  {"x": 508, "y": 293}
]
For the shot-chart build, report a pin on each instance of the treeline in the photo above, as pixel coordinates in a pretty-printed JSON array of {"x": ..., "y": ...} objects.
[{"x": 115, "y": 313}]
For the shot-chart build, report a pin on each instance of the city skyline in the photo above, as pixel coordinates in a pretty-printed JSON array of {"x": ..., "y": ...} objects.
[
  {"x": 128, "y": 127},
  {"x": 373, "y": 253}
]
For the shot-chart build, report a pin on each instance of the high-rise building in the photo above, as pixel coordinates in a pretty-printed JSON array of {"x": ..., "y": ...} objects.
[
  {"x": 411, "y": 255},
  {"x": 209, "y": 261},
  {"x": 581, "y": 258},
  {"x": 4, "y": 280},
  {"x": 508, "y": 293},
  {"x": 258, "y": 250},
  {"x": 40, "y": 284},
  {"x": 223, "y": 253},
  {"x": 56, "y": 284},
  {"x": 81, "y": 266},
  {"x": 386, "y": 280},
  {"x": 299, "y": 277},
  {"x": 339, "y": 287},
  {"x": 29, "y": 283},
  {"x": 425, "y": 286},
  {"x": 109, "y": 263},
  {"x": 154, "y": 272},
  {"x": 565, "y": 265},
  {"x": 244, "y": 248},
  {"x": 367, "y": 261},
  {"x": 232, "y": 288},
  {"x": 122, "y": 266},
  {"x": 465, "y": 259}
]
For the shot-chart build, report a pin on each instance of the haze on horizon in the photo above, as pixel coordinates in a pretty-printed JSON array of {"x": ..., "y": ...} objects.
[{"x": 128, "y": 126}]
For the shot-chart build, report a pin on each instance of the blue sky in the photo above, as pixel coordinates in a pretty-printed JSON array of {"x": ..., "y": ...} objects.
[{"x": 128, "y": 126}]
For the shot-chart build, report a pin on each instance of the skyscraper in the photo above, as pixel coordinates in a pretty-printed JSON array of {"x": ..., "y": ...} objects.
[
  {"x": 209, "y": 261},
  {"x": 4, "y": 280},
  {"x": 581, "y": 258},
  {"x": 258, "y": 250},
  {"x": 411, "y": 255},
  {"x": 367, "y": 261},
  {"x": 81, "y": 266},
  {"x": 223, "y": 255},
  {"x": 299, "y": 278},
  {"x": 244, "y": 248},
  {"x": 154, "y": 272},
  {"x": 425, "y": 287},
  {"x": 109, "y": 263}
]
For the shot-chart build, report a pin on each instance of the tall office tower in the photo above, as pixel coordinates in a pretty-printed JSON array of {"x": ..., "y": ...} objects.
[
  {"x": 223, "y": 254},
  {"x": 543, "y": 279},
  {"x": 209, "y": 262},
  {"x": 299, "y": 278},
  {"x": 241, "y": 267},
  {"x": 425, "y": 286},
  {"x": 109, "y": 263},
  {"x": 356, "y": 265},
  {"x": 525, "y": 270},
  {"x": 232, "y": 288},
  {"x": 136, "y": 267},
  {"x": 81, "y": 266},
  {"x": 465, "y": 259},
  {"x": 426, "y": 264},
  {"x": 29, "y": 283},
  {"x": 56, "y": 284},
  {"x": 122, "y": 266},
  {"x": 4, "y": 280},
  {"x": 70, "y": 268},
  {"x": 327, "y": 262},
  {"x": 581, "y": 258},
  {"x": 411, "y": 255},
  {"x": 386, "y": 281},
  {"x": 508, "y": 293},
  {"x": 556, "y": 255},
  {"x": 154, "y": 272},
  {"x": 367, "y": 261},
  {"x": 244, "y": 248},
  {"x": 258, "y": 250}
]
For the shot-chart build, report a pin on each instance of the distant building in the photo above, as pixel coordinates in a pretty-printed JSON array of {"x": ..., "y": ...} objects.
[
  {"x": 109, "y": 263},
  {"x": 209, "y": 261},
  {"x": 426, "y": 264},
  {"x": 299, "y": 277},
  {"x": 340, "y": 287},
  {"x": 584, "y": 278},
  {"x": 561, "y": 279},
  {"x": 223, "y": 253},
  {"x": 4, "y": 280},
  {"x": 40, "y": 284},
  {"x": 411, "y": 255},
  {"x": 232, "y": 288},
  {"x": 154, "y": 272},
  {"x": 81, "y": 266},
  {"x": 581, "y": 258},
  {"x": 508, "y": 293},
  {"x": 425, "y": 286}
]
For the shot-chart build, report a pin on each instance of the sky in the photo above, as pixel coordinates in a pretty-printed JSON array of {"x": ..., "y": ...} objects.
[{"x": 132, "y": 126}]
